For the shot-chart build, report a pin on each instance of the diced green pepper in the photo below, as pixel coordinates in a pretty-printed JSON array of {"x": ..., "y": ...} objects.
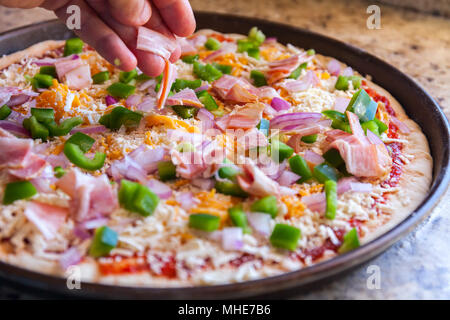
[
  {"x": 254, "y": 53},
  {"x": 280, "y": 151},
  {"x": 212, "y": 44},
  {"x": 105, "y": 239},
  {"x": 207, "y": 100},
  {"x": 255, "y": 35},
  {"x": 351, "y": 241},
  {"x": 224, "y": 68},
  {"x": 299, "y": 166},
  {"x": 37, "y": 130},
  {"x": 42, "y": 81},
  {"x": 311, "y": 52},
  {"x": 363, "y": 106},
  {"x": 370, "y": 125},
  {"x": 190, "y": 59},
  {"x": 324, "y": 172},
  {"x": 228, "y": 172},
  {"x": 142, "y": 77},
  {"x": 166, "y": 170},
  {"x": 82, "y": 140},
  {"x": 333, "y": 157},
  {"x": 285, "y": 236},
  {"x": 298, "y": 71},
  {"x": 73, "y": 46},
  {"x": 59, "y": 172},
  {"x": 258, "y": 77},
  {"x": 100, "y": 77},
  {"x": 230, "y": 188},
  {"x": 18, "y": 190},
  {"x": 137, "y": 198},
  {"x": 342, "y": 82},
  {"x": 48, "y": 70},
  {"x": 309, "y": 139},
  {"x": 263, "y": 126},
  {"x": 244, "y": 45},
  {"x": 74, "y": 153},
  {"x": 206, "y": 71},
  {"x": 266, "y": 205},
  {"x": 121, "y": 90},
  {"x": 121, "y": 116},
  {"x": 127, "y": 76},
  {"x": 382, "y": 127},
  {"x": 204, "y": 221},
  {"x": 331, "y": 199},
  {"x": 44, "y": 116},
  {"x": 180, "y": 84},
  {"x": 185, "y": 112},
  {"x": 64, "y": 127},
  {"x": 186, "y": 147},
  {"x": 5, "y": 111},
  {"x": 239, "y": 218}
]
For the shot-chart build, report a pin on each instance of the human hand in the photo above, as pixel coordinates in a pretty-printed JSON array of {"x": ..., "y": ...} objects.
[{"x": 110, "y": 26}]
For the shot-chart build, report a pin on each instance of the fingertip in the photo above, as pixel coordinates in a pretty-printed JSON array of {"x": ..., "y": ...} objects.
[
  {"x": 175, "y": 55},
  {"x": 150, "y": 64}
]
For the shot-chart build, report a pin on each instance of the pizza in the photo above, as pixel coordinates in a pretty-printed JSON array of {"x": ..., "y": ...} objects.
[{"x": 244, "y": 159}]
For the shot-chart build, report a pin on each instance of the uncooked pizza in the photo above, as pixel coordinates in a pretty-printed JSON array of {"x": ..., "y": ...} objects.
[{"x": 244, "y": 159}]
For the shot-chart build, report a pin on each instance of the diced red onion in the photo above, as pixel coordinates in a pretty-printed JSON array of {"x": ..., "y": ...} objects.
[
  {"x": 347, "y": 72},
  {"x": 280, "y": 104},
  {"x": 232, "y": 238},
  {"x": 334, "y": 67},
  {"x": 89, "y": 130},
  {"x": 260, "y": 222},
  {"x": 290, "y": 119},
  {"x": 288, "y": 178},
  {"x": 315, "y": 202},
  {"x": 340, "y": 104},
  {"x": 205, "y": 87},
  {"x": 205, "y": 184},
  {"x": 400, "y": 125},
  {"x": 81, "y": 233},
  {"x": 18, "y": 100},
  {"x": 148, "y": 158},
  {"x": 151, "y": 83},
  {"x": 270, "y": 40},
  {"x": 70, "y": 257},
  {"x": 110, "y": 100},
  {"x": 42, "y": 185},
  {"x": 94, "y": 223},
  {"x": 206, "y": 117},
  {"x": 147, "y": 104},
  {"x": 313, "y": 157},
  {"x": 373, "y": 138},
  {"x": 14, "y": 128},
  {"x": 160, "y": 189},
  {"x": 186, "y": 200},
  {"x": 285, "y": 191},
  {"x": 133, "y": 100},
  {"x": 44, "y": 62}
]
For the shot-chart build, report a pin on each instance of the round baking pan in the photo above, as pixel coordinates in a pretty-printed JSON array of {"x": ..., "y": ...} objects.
[{"x": 418, "y": 104}]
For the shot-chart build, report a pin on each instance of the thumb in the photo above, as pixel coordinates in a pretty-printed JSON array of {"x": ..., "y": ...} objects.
[{"x": 130, "y": 12}]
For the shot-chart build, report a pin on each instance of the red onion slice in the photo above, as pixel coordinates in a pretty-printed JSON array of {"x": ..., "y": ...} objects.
[
  {"x": 400, "y": 125},
  {"x": 288, "y": 178},
  {"x": 313, "y": 157},
  {"x": 298, "y": 119},
  {"x": 69, "y": 258},
  {"x": 89, "y": 130},
  {"x": 232, "y": 239},
  {"x": 160, "y": 189},
  {"x": 340, "y": 104},
  {"x": 14, "y": 128},
  {"x": 280, "y": 104},
  {"x": 186, "y": 200},
  {"x": 334, "y": 67},
  {"x": 260, "y": 222},
  {"x": 110, "y": 100}
]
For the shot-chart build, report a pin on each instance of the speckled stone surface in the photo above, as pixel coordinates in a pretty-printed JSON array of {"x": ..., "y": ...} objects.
[{"x": 418, "y": 266}]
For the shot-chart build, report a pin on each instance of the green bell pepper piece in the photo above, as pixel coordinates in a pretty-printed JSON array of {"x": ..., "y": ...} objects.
[
  {"x": 324, "y": 172},
  {"x": 309, "y": 139},
  {"x": 17, "y": 191},
  {"x": 258, "y": 77},
  {"x": 363, "y": 106},
  {"x": 74, "y": 153},
  {"x": 137, "y": 198},
  {"x": 333, "y": 157},
  {"x": 212, "y": 44},
  {"x": 190, "y": 59},
  {"x": 121, "y": 90},
  {"x": 207, "y": 100},
  {"x": 121, "y": 116},
  {"x": 48, "y": 70},
  {"x": 350, "y": 241},
  {"x": 100, "y": 77},
  {"x": 285, "y": 236},
  {"x": 299, "y": 166},
  {"x": 331, "y": 199},
  {"x": 239, "y": 218},
  {"x": 185, "y": 112},
  {"x": 166, "y": 170},
  {"x": 105, "y": 239},
  {"x": 73, "y": 46},
  {"x": 5, "y": 111},
  {"x": 280, "y": 151},
  {"x": 266, "y": 205},
  {"x": 298, "y": 71},
  {"x": 128, "y": 76},
  {"x": 204, "y": 221},
  {"x": 230, "y": 188}
]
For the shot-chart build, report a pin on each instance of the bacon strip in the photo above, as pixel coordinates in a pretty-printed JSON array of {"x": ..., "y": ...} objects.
[
  {"x": 255, "y": 182},
  {"x": 46, "y": 217},
  {"x": 282, "y": 68},
  {"x": 362, "y": 158},
  {"x": 155, "y": 42},
  {"x": 234, "y": 89},
  {"x": 243, "y": 117},
  {"x": 186, "y": 97}
]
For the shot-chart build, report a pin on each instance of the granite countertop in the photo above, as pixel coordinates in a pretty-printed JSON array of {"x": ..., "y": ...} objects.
[{"x": 418, "y": 266}]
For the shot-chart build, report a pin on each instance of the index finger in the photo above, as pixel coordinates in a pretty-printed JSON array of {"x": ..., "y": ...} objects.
[{"x": 178, "y": 16}]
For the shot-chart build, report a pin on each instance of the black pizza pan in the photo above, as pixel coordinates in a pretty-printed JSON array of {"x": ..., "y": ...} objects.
[{"x": 418, "y": 104}]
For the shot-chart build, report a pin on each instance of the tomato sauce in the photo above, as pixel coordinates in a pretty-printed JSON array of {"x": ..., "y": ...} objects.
[{"x": 117, "y": 264}]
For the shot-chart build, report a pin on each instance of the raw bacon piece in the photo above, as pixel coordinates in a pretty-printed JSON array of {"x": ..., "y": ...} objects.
[
  {"x": 243, "y": 117},
  {"x": 362, "y": 158},
  {"x": 32, "y": 166},
  {"x": 65, "y": 66},
  {"x": 235, "y": 89},
  {"x": 255, "y": 182},
  {"x": 282, "y": 68},
  {"x": 186, "y": 97},
  {"x": 79, "y": 78},
  {"x": 46, "y": 217},
  {"x": 155, "y": 42},
  {"x": 91, "y": 197}
]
